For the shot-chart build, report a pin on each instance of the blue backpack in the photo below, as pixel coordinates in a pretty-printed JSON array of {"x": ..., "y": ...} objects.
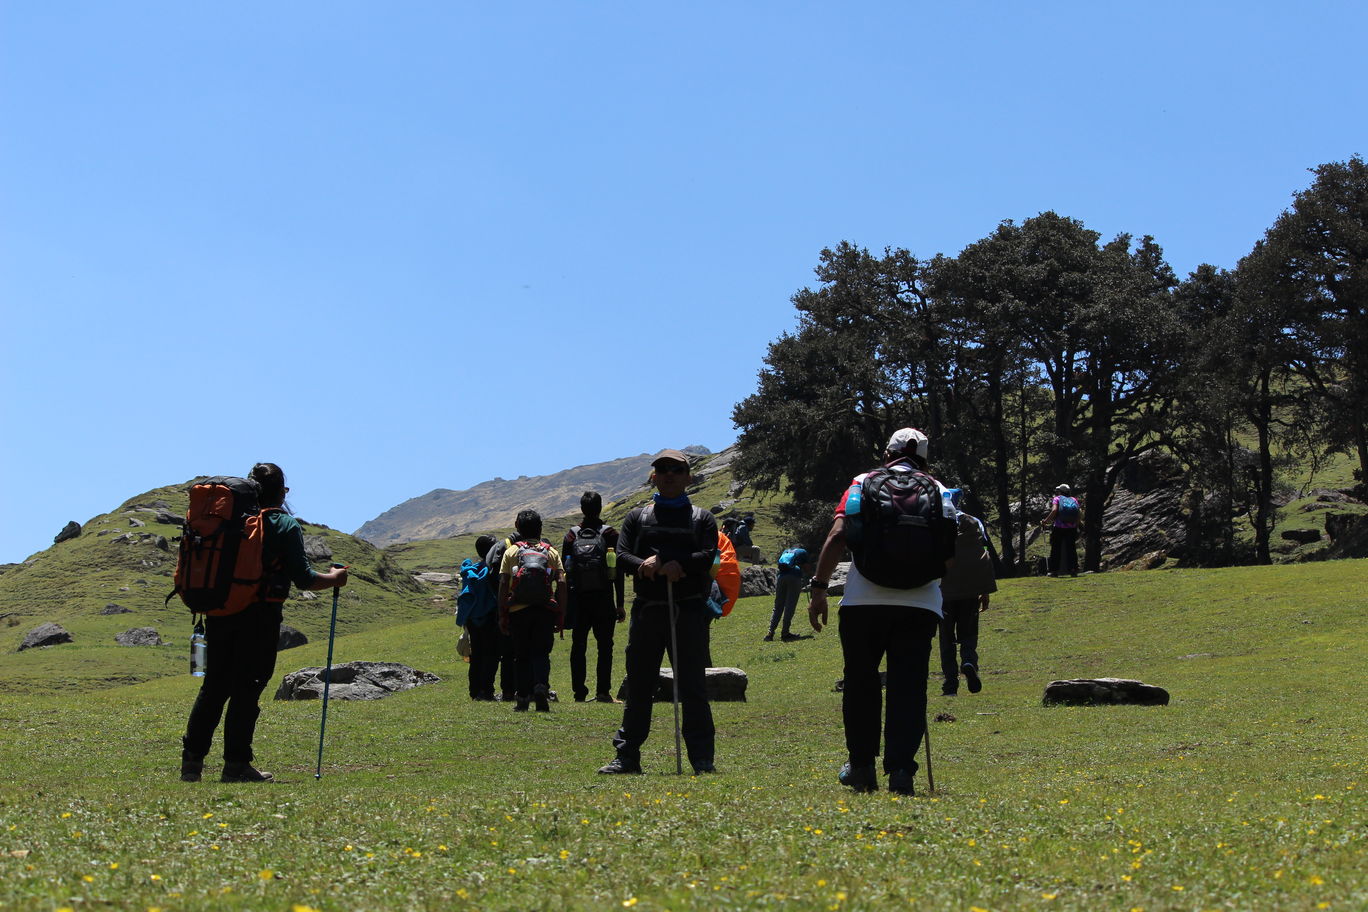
[
  {"x": 790, "y": 562},
  {"x": 1067, "y": 511},
  {"x": 475, "y": 605}
]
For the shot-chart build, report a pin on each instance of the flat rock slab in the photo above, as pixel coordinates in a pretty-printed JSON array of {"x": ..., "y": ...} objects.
[
  {"x": 139, "y": 636},
  {"x": 353, "y": 681},
  {"x": 46, "y": 634},
  {"x": 725, "y": 685},
  {"x": 1104, "y": 692}
]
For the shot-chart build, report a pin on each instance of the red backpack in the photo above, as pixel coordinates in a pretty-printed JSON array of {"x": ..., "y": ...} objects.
[
  {"x": 220, "y": 567},
  {"x": 532, "y": 576}
]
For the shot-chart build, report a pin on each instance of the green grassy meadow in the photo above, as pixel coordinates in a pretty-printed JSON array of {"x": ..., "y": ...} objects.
[{"x": 1246, "y": 792}]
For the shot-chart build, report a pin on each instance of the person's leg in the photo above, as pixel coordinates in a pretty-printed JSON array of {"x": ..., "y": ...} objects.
[
  {"x": 579, "y": 646},
  {"x": 542, "y": 630},
  {"x": 647, "y": 637},
  {"x": 520, "y": 628},
  {"x": 792, "y": 586},
  {"x": 604, "y": 624},
  {"x": 695, "y": 711},
  {"x": 259, "y": 637},
  {"x": 213, "y": 692},
  {"x": 862, "y": 646},
  {"x": 778, "y": 611},
  {"x": 484, "y": 659},
  {"x": 949, "y": 667},
  {"x": 909, "y": 656},
  {"x": 1056, "y": 552},
  {"x": 967, "y": 627},
  {"x": 1070, "y": 552}
]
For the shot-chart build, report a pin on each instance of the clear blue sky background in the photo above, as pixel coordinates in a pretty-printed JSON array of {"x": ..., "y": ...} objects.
[{"x": 402, "y": 246}]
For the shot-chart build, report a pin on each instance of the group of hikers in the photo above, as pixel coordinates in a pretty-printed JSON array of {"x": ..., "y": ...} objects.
[{"x": 921, "y": 567}]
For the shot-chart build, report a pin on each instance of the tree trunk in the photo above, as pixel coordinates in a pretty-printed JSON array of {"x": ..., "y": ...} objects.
[{"x": 1263, "y": 485}]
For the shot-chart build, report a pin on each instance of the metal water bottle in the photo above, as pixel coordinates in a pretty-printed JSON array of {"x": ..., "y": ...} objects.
[{"x": 199, "y": 651}]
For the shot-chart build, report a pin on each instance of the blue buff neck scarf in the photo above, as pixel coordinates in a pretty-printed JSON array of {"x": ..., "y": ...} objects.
[{"x": 681, "y": 501}]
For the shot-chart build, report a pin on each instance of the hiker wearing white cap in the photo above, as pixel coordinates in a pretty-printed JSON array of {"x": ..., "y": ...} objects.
[{"x": 1063, "y": 520}]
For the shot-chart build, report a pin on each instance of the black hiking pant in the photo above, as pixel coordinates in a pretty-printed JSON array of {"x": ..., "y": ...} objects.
[
  {"x": 958, "y": 627},
  {"x": 648, "y": 639},
  {"x": 533, "y": 629},
  {"x": 596, "y": 613},
  {"x": 486, "y": 645},
  {"x": 242, "y": 658},
  {"x": 1063, "y": 552},
  {"x": 868, "y": 633},
  {"x": 786, "y": 590}
]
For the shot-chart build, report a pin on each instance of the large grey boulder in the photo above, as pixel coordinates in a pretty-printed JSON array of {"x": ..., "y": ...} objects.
[
  {"x": 1104, "y": 691},
  {"x": 1146, "y": 512},
  {"x": 353, "y": 681},
  {"x": 757, "y": 581},
  {"x": 69, "y": 531},
  {"x": 725, "y": 685},
  {"x": 290, "y": 638},
  {"x": 139, "y": 636},
  {"x": 45, "y": 634},
  {"x": 316, "y": 548}
]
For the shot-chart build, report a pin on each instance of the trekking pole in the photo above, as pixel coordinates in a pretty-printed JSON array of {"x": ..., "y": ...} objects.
[
  {"x": 674, "y": 672},
  {"x": 930, "y": 777},
  {"x": 327, "y": 680}
]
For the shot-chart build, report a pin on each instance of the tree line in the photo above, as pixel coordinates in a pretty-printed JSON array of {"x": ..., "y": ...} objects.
[{"x": 1042, "y": 353}]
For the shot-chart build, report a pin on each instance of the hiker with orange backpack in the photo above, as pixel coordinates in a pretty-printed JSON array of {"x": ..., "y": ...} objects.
[
  {"x": 531, "y": 596},
  {"x": 244, "y": 517}
]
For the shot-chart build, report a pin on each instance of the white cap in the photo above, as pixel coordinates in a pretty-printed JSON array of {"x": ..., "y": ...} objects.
[
  {"x": 907, "y": 442},
  {"x": 1062, "y": 489}
]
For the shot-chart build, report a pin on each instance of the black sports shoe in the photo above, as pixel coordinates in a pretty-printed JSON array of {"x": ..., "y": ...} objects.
[
  {"x": 192, "y": 767},
  {"x": 606, "y": 697},
  {"x": 539, "y": 696},
  {"x": 790, "y": 637},
  {"x": 769, "y": 637},
  {"x": 581, "y": 696},
  {"x": 520, "y": 705},
  {"x": 949, "y": 688},
  {"x": 618, "y": 766},
  {"x": 702, "y": 768},
  {"x": 860, "y": 778},
  {"x": 900, "y": 782},
  {"x": 971, "y": 678},
  {"x": 244, "y": 772}
]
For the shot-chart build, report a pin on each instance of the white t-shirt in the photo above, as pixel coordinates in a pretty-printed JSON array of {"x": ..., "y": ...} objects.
[{"x": 860, "y": 591}]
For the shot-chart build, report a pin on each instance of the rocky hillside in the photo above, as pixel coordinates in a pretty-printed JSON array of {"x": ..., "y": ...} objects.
[{"x": 444, "y": 513}]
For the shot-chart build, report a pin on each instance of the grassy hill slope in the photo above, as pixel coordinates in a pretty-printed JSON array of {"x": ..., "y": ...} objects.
[
  {"x": 1247, "y": 792},
  {"x": 72, "y": 582}
]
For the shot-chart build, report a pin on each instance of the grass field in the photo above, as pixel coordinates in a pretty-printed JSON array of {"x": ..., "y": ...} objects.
[{"x": 1246, "y": 792}]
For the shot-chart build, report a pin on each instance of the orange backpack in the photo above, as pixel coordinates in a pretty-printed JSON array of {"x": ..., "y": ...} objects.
[
  {"x": 727, "y": 572},
  {"x": 220, "y": 568}
]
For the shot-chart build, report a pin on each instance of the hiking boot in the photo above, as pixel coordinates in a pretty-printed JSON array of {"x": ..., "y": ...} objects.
[
  {"x": 861, "y": 778},
  {"x": 949, "y": 688},
  {"x": 606, "y": 697},
  {"x": 581, "y": 696},
  {"x": 520, "y": 705},
  {"x": 506, "y": 697},
  {"x": 769, "y": 637},
  {"x": 701, "y": 769},
  {"x": 192, "y": 767},
  {"x": 790, "y": 637},
  {"x": 900, "y": 782},
  {"x": 244, "y": 772},
  {"x": 619, "y": 766},
  {"x": 540, "y": 697},
  {"x": 971, "y": 678}
]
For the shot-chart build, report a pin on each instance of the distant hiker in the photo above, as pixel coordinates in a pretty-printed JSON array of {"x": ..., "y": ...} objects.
[
  {"x": 670, "y": 546},
  {"x": 1063, "y": 520},
  {"x": 741, "y": 539},
  {"x": 531, "y": 593},
  {"x": 794, "y": 567},
  {"x": 893, "y": 522},
  {"x": 504, "y": 663},
  {"x": 242, "y": 646},
  {"x": 477, "y": 611},
  {"x": 965, "y": 592},
  {"x": 589, "y": 552}
]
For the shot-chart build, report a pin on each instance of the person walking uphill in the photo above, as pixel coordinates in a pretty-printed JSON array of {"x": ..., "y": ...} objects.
[
  {"x": 242, "y": 646},
  {"x": 965, "y": 591},
  {"x": 892, "y": 519},
  {"x": 669, "y": 545},
  {"x": 589, "y": 553},
  {"x": 531, "y": 593},
  {"x": 1063, "y": 520}
]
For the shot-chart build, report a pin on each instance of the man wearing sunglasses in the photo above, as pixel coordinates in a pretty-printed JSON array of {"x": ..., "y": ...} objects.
[{"x": 669, "y": 546}]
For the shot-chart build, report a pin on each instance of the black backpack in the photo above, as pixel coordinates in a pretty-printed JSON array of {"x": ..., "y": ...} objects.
[
  {"x": 531, "y": 583},
  {"x": 588, "y": 559},
  {"x": 897, "y": 529}
]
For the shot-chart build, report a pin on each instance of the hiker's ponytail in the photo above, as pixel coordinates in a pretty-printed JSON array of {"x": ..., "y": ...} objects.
[{"x": 270, "y": 480}]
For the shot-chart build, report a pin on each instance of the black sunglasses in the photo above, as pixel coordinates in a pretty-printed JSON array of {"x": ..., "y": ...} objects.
[{"x": 673, "y": 468}]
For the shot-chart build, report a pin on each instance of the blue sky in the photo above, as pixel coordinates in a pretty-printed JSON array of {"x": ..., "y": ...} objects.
[{"x": 402, "y": 246}]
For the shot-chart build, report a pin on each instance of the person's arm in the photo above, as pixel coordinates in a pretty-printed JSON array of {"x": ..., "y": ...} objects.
[
  {"x": 627, "y": 558},
  {"x": 289, "y": 538},
  {"x": 833, "y": 549},
  {"x": 1054, "y": 511}
]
